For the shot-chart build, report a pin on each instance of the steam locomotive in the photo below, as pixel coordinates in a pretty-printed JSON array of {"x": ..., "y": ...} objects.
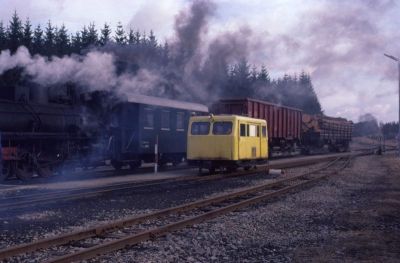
[{"x": 41, "y": 134}]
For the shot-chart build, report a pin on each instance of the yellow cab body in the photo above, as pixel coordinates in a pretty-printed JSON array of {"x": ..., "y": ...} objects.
[{"x": 227, "y": 137}]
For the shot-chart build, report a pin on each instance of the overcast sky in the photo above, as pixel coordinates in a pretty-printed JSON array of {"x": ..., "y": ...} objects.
[{"x": 340, "y": 43}]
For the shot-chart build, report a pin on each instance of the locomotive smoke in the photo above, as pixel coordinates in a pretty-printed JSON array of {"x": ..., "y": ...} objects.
[
  {"x": 95, "y": 70},
  {"x": 195, "y": 70}
]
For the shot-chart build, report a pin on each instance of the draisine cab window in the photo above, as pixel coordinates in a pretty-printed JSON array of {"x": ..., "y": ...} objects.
[
  {"x": 200, "y": 128},
  {"x": 253, "y": 130},
  {"x": 222, "y": 128}
]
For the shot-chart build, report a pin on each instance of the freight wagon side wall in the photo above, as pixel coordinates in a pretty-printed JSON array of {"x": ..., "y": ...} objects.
[{"x": 283, "y": 122}]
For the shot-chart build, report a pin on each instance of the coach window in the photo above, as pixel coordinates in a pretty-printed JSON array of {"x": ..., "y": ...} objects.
[
  {"x": 243, "y": 130},
  {"x": 165, "y": 120},
  {"x": 252, "y": 130},
  {"x": 148, "y": 119},
  {"x": 264, "y": 131},
  {"x": 222, "y": 128},
  {"x": 200, "y": 128},
  {"x": 180, "y": 121}
]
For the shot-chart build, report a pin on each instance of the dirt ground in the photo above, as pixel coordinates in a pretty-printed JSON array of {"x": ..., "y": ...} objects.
[{"x": 368, "y": 231}]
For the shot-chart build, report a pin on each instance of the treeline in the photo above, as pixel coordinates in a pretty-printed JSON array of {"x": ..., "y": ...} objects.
[
  {"x": 367, "y": 125},
  {"x": 57, "y": 41},
  {"x": 134, "y": 50},
  {"x": 390, "y": 130}
]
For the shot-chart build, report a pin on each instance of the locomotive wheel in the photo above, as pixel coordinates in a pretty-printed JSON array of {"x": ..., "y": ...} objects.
[
  {"x": 23, "y": 172},
  {"x": 5, "y": 172},
  {"x": 45, "y": 171},
  {"x": 246, "y": 168}
]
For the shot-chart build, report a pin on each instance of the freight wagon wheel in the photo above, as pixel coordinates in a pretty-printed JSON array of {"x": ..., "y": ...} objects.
[
  {"x": 134, "y": 165},
  {"x": 23, "y": 172},
  {"x": 117, "y": 165}
]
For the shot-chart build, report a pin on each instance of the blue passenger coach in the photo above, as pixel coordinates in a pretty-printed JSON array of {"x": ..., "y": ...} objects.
[{"x": 142, "y": 122}]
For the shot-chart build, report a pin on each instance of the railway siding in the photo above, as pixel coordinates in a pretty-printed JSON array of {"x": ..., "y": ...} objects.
[{"x": 350, "y": 217}]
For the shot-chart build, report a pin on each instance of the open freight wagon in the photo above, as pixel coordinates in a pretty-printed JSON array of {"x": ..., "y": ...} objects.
[
  {"x": 320, "y": 131},
  {"x": 284, "y": 123}
]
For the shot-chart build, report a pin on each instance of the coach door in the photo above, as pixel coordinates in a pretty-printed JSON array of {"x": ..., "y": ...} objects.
[{"x": 249, "y": 141}]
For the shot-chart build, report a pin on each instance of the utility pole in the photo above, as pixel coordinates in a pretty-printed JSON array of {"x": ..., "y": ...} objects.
[{"x": 398, "y": 66}]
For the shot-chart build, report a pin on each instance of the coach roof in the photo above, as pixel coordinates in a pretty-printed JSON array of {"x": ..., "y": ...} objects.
[{"x": 156, "y": 101}]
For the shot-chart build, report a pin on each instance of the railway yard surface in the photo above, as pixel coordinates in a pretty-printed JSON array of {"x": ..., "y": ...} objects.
[
  {"x": 105, "y": 176},
  {"x": 351, "y": 216}
]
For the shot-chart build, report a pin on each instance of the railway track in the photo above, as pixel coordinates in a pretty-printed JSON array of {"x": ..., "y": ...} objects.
[
  {"x": 116, "y": 235},
  {"x": 82, "y": 193},
  {"x": 21, "y": 201}
]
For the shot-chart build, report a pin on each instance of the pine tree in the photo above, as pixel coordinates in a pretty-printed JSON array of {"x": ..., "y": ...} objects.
[
  {"x": 309, "y": 99},
  {"x": 253, "y": 74},
  {"x": 239, "y": 80},
  {"x": 27, "y": 35},
  {"x": 120, "y": 36},
  {"x": 264, "y": 75},
  {"x": 62, "y": 43},
  {"x": 3, "y": 37},
  {"x": 49, "y": 40},
  {"x": 76, "y": 43},
  {"x": 143, "y": 40},
  {"x": 37, "y": 41},
  {"x": 92, "y": 36},
  {"x": 84, "y": 37},
  {"x": 137, "y": 38},
  {"x": 105, "y": 35},
  {"x": 131, "y": 37},
  {"x": 152, "y": 39},
  {"x": 14, "y": 33}
]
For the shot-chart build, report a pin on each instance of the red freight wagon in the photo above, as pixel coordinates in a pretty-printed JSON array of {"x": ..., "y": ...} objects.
[{"x": 284, "y": 123}]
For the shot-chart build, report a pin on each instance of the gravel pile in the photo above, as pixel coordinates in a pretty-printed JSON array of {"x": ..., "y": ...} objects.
[{"x": 351, "y": 217}]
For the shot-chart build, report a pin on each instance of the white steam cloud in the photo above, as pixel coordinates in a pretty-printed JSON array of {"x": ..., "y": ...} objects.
[{"x": 94, "y": 71}]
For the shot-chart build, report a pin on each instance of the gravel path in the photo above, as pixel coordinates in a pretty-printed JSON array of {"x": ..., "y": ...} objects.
[{"x": 354, "y": 216}]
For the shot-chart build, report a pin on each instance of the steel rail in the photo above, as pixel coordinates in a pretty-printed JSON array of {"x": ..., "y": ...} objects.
[
  {"x": 100, "y": 230},
  {"x": 92, "y": 192},
  {"x": 81, "y": 193}
]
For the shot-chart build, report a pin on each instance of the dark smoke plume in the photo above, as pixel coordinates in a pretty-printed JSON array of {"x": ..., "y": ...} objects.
[{"x": 195, "y": 67}]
